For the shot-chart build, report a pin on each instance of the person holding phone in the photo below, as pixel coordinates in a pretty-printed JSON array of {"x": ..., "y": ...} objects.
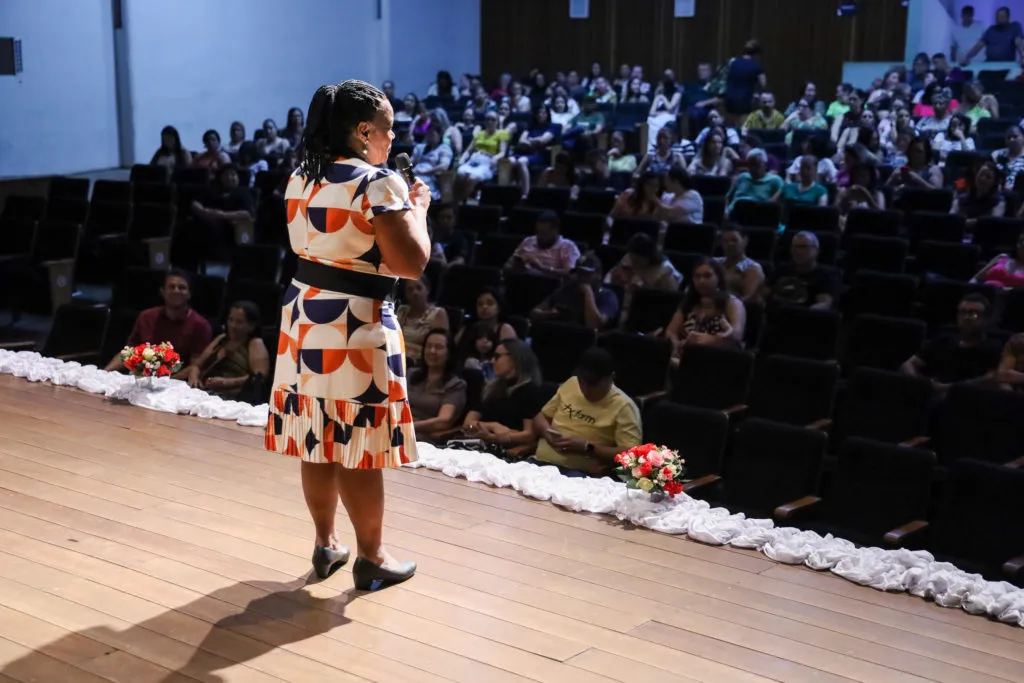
[{"x": 588, "y": 421}]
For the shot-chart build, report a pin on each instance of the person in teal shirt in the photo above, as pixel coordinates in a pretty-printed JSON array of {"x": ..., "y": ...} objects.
[
  {"x": 756, "y": 184},
  {"x": 807, "y": 189}
]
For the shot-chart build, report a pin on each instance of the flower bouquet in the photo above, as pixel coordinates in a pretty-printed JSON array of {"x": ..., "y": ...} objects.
[
  {"x": 147, "y": 361},
  {"x": 658, "y": 470}
]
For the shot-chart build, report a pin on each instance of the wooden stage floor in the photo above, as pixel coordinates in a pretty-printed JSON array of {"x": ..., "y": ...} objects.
[{"x": 143, "y": 547}]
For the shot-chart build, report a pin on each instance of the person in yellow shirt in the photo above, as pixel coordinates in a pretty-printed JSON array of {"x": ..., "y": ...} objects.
[
  {"x": 479, "y": 162},
  {"x": 765, "y": 118},
  {"x": 588, "y": 421}
]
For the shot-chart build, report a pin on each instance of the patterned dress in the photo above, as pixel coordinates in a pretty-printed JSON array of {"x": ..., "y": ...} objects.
[{"x": 339, "y": 392}]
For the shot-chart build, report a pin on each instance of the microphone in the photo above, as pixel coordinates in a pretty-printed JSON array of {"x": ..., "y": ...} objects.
[{"x": 404, "y": 166}]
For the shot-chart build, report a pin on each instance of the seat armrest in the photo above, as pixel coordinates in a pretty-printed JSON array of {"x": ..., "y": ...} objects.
[
  {"x": 791, "y": 509},
  {"x": 916, "y": 441},
  {"x": 20, "y": 344},
  {"x": 737, "y": 409},
  {"x": 821, "y": 425},
  {"x": 78, "y": 355},
  {"x": 650, "y": 398},
  {"x": 701, "y": 482},
  {"x": 1014, "y": 567},
  {"x": 901, "y": 535},
  {"x": 1017, "y": 464}
]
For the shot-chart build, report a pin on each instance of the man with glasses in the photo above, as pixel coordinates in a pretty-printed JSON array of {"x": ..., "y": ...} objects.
[
  {"x": 967, "y": 355},
  {"x": 803, "y": 281}
]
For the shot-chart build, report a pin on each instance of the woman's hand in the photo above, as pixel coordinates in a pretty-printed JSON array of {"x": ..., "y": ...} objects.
[
  {"x": 215, "y": 383},
  {"x": 193, "y": 378},
  {"x": 419, "y": 196},
  {"x": 700, "y": 338}
]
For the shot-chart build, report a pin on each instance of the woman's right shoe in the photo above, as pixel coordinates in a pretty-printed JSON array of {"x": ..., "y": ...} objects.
[
  {"x": 369, "y": 576},
  {"x": 326, "y": 560}
]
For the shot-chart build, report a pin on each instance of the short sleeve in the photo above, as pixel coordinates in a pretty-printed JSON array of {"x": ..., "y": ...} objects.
[
  {"x": 551, "y": 406},
  {"x": 1015, "y": 347},
  {"x": 503, "y": 135},
  {"x": 384, "y": 194},
  {"x": 627, "y": 427},
  {"x": 455, "y": 395}
]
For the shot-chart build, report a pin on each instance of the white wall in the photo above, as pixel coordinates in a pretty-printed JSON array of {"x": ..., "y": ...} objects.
[
  {"x": 59, "y": 115},
  {"x": 427, "y": 36},
  {"x": 197, "y": 64}
]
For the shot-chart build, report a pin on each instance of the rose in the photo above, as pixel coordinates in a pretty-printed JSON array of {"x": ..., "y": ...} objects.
[
  {"x": 672, "y": 488},
  {"x": 149, "y": 354},
  {"x": 667, "y": 473},
  {"x": 655, "y": 459},
  {"x": 163, "y": 371},
  {"x": 645, "y": 484},
  {"x": 645, "y": 469},
  {"x": 644, "y": 449},
  {"x": 636, "y": 473}
]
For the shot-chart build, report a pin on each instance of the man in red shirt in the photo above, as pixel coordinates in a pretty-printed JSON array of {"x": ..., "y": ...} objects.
[{"x": 174, "y": 322}]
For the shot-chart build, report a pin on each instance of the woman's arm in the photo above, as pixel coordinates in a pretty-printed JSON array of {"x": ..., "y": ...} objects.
[
  {"x": 675, "y": 328},
  {"x": 469, "y": 152},
  {"x": 642, "y": 166},
  {"x": 753, "y": 280},
  {"x": 402, "y": 235},
  {"x": 999, "y": 210},
  {"x": 259, "y": 358},
  {"x": 654, "y": 104},
  {"x": 736, "y": 314},
  {"x": 195, "y": 368},
  {"x": 823, "y": 200},
  {"x": 979, "y": 277},
  {"x": 443, "y": 422}
]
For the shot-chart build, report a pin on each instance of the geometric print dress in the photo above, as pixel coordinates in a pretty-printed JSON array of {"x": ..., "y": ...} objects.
[{"x": 339, "y": 391}]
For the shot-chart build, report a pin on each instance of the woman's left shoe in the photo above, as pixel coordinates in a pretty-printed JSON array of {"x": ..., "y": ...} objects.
[
  {"x": 369, "y": 576},
  {"x": 326, "y": 560}
]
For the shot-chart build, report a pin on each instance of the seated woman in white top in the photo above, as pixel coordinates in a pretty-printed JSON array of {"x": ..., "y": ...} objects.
[
  {"x": 171, "y": 154},
  {"x": 237, "y": 137},
  {"x": 664, "y": 108},
  {"x": 818, "y": 147},
  {"x": 518, "y": 100},
  {"x": 686, "y": 205},
  {"x": 716, "y": 122},
  {"x": 956, "y": 137}
]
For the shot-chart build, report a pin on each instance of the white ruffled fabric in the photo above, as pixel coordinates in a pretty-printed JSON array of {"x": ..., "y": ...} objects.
[{"x": 915, "y": 572}]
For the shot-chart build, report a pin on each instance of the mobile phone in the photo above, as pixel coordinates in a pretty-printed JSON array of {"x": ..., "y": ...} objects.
[{"x": 554, "y": 434}]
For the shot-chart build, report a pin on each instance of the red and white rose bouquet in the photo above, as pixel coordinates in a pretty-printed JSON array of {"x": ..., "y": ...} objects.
[
  {"x": 151, "y": 360},
  {"x": 651, "y": 468}
]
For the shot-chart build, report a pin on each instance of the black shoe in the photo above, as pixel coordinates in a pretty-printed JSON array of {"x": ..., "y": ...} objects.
[
  {"x": 370, "y": 577},
  {"x": 326, "y": 560}
]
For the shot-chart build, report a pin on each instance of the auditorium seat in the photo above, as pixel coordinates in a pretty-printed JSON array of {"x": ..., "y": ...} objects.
[
  {"x": 505, "y": 196},
  {"x": 884, "y": 406},
  {"x": 936, "y": 227},
  {"x": 712, "y": 377},
  {"x": 255, "y": 262},
  {"x": 997, "y": 235},
  {"x": 208, "y": 293},
  {"x": 63, "y": 187},
  {"x": 888, "y": 294},
  {"x": 981, "y": 423},
  {"x": 24, "y": 208},
  {"x": 816, "y": 219},
  {"x": 641, "y": 362},
  {"x": 652, "y": 309},
  {"x": 137, "y": 288},
  {"x": 495, "y": 250},
  {"x": 524, "y": 291},
  {"x": 693, "y": 237},
  {"x": 624, "y": 228},
  {"x": 948, "y": 259},
  {"x": 484, "y": 219},
  {"x": 698, "y": 434},
  {"x": 875, "y": 222},
  {"x": 558, "y": 347},
  {"x": 756, "y": 214},
  {"x": 585, "y": 229},
  {"x": 68, "y": 209},
  {"x": 595, "y": 201},
  {"x": 522, "y": 221},
  {"x": 266, "y": 295},
  {"x": 153, "y": 193},
  {"x": 801, "y": 332},
  {"x": 869, "y": 252},
  {"x": 913, "y": 199},
  {"x": 549, "y": 198},
  {"x": 791, "y": 390},
  {"x": 77, "y": 334},
  {"x": 877, "y": 341},
  {"x": 116, "y": 191},
  {"x": 711, "y": 185},
  {"x": 149, "y": 173},
  {"x": 462, "y": 284},
  {"x": 940, "y": 299}
]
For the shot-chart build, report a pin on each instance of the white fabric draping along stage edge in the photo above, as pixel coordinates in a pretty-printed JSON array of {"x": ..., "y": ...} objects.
[{"x": 915, "y": 572}]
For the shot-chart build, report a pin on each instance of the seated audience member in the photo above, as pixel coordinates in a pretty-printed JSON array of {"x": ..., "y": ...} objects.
[
  {"x": 711, "y": 158},
  {"x": 967, "y": 355},
  {"x": 546, "y": 252},
  {"x": 561, "y": 173},
  {"x": 984, "y": 195},
  {"x": 409, "y": 110},
  {"x": 866, "y": 134},
  {"x": 214, "y": 157},
  {"x": 510, "y": 401},
  {"x": 1010, "y": 373},
  {"x": 934, "y": 119},
  {"x": 685, "y": 205},
  {"x": 839, "y": 106},
  {"x": 476, "y": 351},
  {"x": 518, "y": 100},
  {"x": 295, "y": 125},
  {"x": 730, "y": 136},
  {"x": 804, "y": 118},
  {"x": 480, "y": 160},
  {"x": 861, "y": 191},
  {"x": 174, "y": 322},
  {"x": 1010, "y": 159},
  {"x": 816, "y": 146},
  {"x": 236, "y": 363},
  {"x": 467, "y": 129},
  {"x": 1004, "y": 270},
  {"x": 744, "y": 277},
  {"x": 643, "y": 267},
  {"x": 236, "y": 137},
  {"x": 451, "y": 241},
  {"x": 619, "y": 161},
  {"x": 850, "y": 118},
  {"x": 598, "y": 176},
  {"x": 488, "y": 320},
  {"x": 661, "y": 157},
  {"x": 806, "y": 190},
  {"x": 708, "y": 313},
  {"x": 588, "y": 421},
  {"x": 417, "y": 317},
  {"x": 431, "y": 158},
  {"x": 973, "y": 105},
  {"x": 218, "y": 211},
  {"x": 956, "y": 137},
  {"x": 643, "y": 200},
  {"x": 444, "y": 87},
  {"x": 272, "y": 146},
  {"x": 765, "y": 118},
  {"x": 171, "y": 155},
  {"x": 437, "y": 395},
  {"x": 580, "y": 136},
  {"x": 664, "y": 108},
  {"x": 583, "y": 300},
  {"x": 562, "y": 111},
  {"x": 534, "y": 146},
  {"x": 919, "y": 172},
  {"x": 802, "y": 281},
  {"x": 754, "y": 184},
  {"x": 249, "y": 157}
]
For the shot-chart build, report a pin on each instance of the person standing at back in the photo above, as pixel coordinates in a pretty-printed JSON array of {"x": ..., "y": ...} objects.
[
  {"x": 1002, "y": 42},
  {"x": 339, "y": 400},
  {"x": 966, "y": 35}
]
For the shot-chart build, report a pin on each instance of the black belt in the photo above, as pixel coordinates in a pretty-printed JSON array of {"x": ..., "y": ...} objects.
[{"x": 343, "y": 281}]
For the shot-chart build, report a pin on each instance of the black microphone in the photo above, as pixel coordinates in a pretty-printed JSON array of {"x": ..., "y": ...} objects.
[{"x": 404, "y": 166}]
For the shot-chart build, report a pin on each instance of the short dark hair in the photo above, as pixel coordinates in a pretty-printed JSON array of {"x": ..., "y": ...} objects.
[
  {"x": 967, "y": 9},
  {"x": 976, "y": 298},
  {"x": 177, "y": 272},
  {"x": 939, "y": 55},
  {"x": 680, "y": 176},
  {"x": 595, "y": 365},
  {"x": 549, "y": 217}
]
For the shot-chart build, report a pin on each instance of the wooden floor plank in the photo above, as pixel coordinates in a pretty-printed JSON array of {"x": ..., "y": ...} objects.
[{"x": 144, "y": 546}]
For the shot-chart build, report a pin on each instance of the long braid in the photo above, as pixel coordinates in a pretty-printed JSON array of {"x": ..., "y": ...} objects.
[{"x": 334, "y": 114}]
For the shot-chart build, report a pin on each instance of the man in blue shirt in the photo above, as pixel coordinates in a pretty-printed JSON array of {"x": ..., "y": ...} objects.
[{"x": 1002, "y": 41}]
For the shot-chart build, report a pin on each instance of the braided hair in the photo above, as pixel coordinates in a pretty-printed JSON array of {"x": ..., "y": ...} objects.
[{"x": 334, "y": 113}]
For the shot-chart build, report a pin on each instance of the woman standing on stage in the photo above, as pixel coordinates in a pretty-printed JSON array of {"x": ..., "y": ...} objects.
[{"x": 339, "y": 401}]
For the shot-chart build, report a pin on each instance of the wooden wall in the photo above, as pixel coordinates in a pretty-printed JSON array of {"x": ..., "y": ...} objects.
[{"x": 801, "y": 39}]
